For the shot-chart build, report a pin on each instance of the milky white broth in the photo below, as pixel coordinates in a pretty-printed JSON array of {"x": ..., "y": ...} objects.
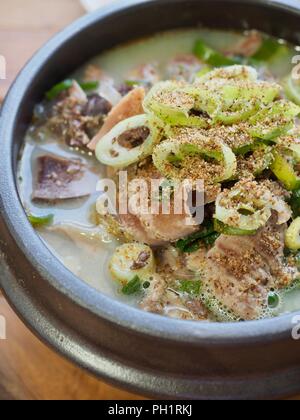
[{"x": 86, "y": 249}]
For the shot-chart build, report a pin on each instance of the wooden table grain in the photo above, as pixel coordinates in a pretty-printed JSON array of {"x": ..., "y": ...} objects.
[{"x": 28, "y": 369}]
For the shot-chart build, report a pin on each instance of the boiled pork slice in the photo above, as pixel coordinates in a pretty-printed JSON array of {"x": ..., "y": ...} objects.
[
  {"x": 242, "y": 270},
  {"x": 58, "y": 178}
]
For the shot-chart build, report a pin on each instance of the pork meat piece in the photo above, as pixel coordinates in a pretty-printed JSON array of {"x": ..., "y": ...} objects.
[
  {"x": 242, "y": 270},
  {"x": 58, "y": 178}
]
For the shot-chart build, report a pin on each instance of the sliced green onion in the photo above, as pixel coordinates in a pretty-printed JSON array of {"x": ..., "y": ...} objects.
[
  {"x": 248, "y": 206},
  {"x": 134, "y": 83},
  {"x": 171, "y": 154},
  {"x": 285, "y": 172},
  {"x": 259, "y": 159},
  {"x": 132, "y": 259},
  {"x": 292, "y": 236},
  {"x": 235, "y": 72},
  {"x": 193, "y": 242},
  {"x": 211, "y": 239},
  {"x": 57, "y": 89},
  {"x": 122, "y": 147},
  {"x": 290, "y": 147},
  {"x": 133, "y": 287},
  {"x": 273, "y": 300},
  {"x": 205, "y": 70},
  {"x": 211, "y": 56},
  {"x": 236, "y": 114},
  {"x": 232, "y": 101},
  {"x": 190, "y": 287},
  {"x": 292, "y": 89},
  {"x": 268, "y": 49},
  {"x": 245, "y": 206},
  {"x": 174, "y": 105},
  {"x": 273, "y": 121},
  {"x": 67, "y": 84},
  {"x": 295, "y": 149},
  {"x": 40, "y": 221},
  {"x": 223, "y": 229},
  {"x": 146, "y": 285},
  {"x": 245, "y": 149},
  {"x": 88, "y": 86},
  {"x": 295, "y": 203},
  {"x": 252, "y": 146}
]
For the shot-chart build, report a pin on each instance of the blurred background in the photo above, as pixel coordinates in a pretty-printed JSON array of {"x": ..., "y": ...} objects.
[
  {"x": 29, "y": 370},
  {"x": 27, "y": 25}
]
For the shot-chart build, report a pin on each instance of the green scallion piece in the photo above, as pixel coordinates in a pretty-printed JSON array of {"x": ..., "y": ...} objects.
[
  {"x": 213, "y": 57},
  {"x": 268, "y": 49},
  {"x": 67, "y": 84},
  {"x": 133, "y": 287},
  {"x": 273, "y": 300},
  {"x": 59, "y": 88},
  {"x": 191, "y": 287},
  {"x": 192, "y": 243},
  {"x": 40, "y": 221},
  {"x": 88, "y": 86},
  {"x": 294, "y": 202}
]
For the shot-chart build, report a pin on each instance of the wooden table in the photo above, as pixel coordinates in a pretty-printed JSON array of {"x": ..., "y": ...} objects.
[{"x": 28, "y": 369}]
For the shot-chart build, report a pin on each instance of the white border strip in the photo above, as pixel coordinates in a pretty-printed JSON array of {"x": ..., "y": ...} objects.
[{"x": 91, "y": 5}]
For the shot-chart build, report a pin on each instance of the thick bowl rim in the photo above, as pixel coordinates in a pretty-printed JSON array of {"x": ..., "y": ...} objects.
[{"x": 54, "y": 272}]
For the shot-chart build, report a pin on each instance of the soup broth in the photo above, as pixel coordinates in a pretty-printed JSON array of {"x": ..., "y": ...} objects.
[{"x": 65, "y": 215}]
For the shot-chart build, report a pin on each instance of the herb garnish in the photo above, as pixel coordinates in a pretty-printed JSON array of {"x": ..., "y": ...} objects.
[
  {"x": 191, "y": 287},
  {"x": 192, "y": 243},
  {"x": 133, "y": 287},
  {"x": 40, "y": 221},
  {"x": 67, "y": 84}
]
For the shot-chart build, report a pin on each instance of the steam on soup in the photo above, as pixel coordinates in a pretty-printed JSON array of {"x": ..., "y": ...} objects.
[{"x": 216, "y": 109}]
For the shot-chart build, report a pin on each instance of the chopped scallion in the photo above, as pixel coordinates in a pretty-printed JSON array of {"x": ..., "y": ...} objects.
[
  {"x": 133, "y": 287},
  {"x": 273, "y": 300},
  {"x": 40, "y": 221},
  {"x": 67, "y": 84},
  {"x": 191, "y": 287},
  {"x": 213, "y": 57}
]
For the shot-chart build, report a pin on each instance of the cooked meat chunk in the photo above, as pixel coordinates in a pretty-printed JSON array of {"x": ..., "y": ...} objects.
[
  {"x": 132, "y": 227},
  {"x": 157, "y": 229},
  {"x": 124, "y": 88},
  {"x": 133, "y": 138},
  {"x": 75, "y": 117},
  {"x": 154, "y": 299},
  {"x": 196, "y": 261},
  {"x": 248, "y": 46},
  {"x": 183, "y": 67},
  {"x": 60, "y": 179},
  {"x": 93, "y": 73},
  {"x": 162, "y": 299},
  {"x": 152, "y": 229},
  {"x": 170, "y": 227},
  {"x": 265, "y": 74},
  {"x": 129, "y": 106},
  {"x": 96, "y": 106},
  {"x": 161, "y": 227},
  {"x": 148, "y": 74},
  {"x": 241, "y": 271},
  {"x": 141, "y": 262},
  {"x": 107, "y": 88}
]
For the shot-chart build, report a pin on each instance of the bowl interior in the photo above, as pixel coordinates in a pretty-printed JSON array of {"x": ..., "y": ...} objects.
[{"x": 123, "y": 22}]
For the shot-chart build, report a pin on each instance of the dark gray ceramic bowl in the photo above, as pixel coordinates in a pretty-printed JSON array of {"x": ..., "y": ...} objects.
[{"x": 139, "y": 351}]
